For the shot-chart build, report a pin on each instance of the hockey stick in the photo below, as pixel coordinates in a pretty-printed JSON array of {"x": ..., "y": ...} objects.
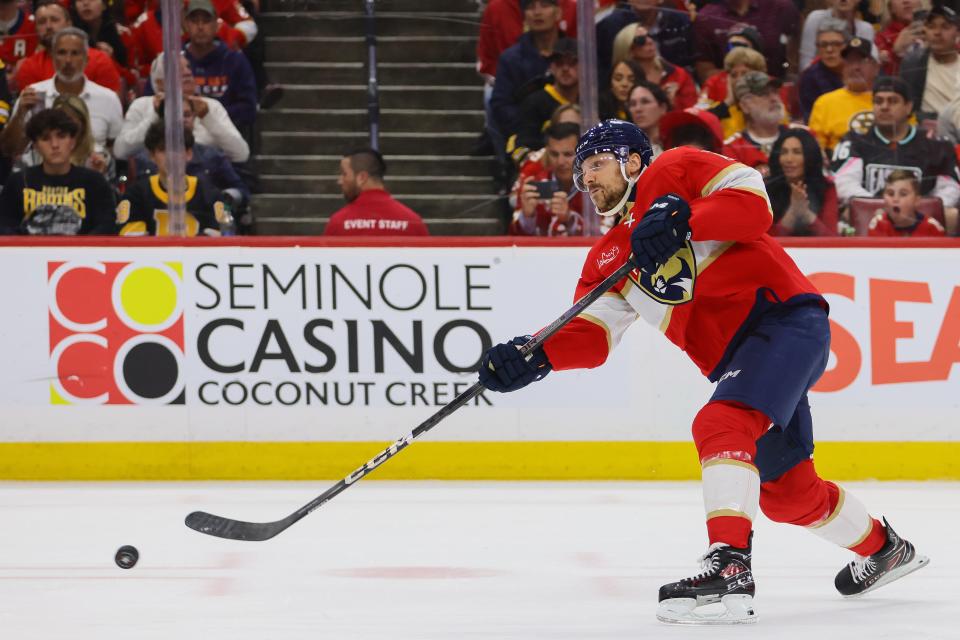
[{"x": 239, "y": 530}]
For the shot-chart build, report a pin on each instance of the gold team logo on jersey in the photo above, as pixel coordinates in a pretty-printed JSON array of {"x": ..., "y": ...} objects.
[
  {"x": 672, "y": 282},
  {"x": 861, "y": 122}
]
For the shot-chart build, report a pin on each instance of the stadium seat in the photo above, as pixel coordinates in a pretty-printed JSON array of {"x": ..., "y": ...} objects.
[{"x": 862, "y": 210}]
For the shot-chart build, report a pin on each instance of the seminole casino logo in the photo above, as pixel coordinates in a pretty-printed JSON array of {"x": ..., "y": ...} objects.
[{"x": 116, "y": 332}]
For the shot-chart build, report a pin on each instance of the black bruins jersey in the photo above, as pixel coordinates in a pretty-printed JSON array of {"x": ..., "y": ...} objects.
[
  {"x": 143, "y": 209},
  {"x": 869, "y": 158}
]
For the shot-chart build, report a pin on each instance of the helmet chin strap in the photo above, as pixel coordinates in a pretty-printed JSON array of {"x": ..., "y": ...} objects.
[{"x": 626, "y": 194}]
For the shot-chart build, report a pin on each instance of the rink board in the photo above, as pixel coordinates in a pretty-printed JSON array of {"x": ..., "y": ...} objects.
[{"x": 301, "y": 358}]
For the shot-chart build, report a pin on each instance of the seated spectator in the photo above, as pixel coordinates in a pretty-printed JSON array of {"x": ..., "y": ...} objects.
[
  {"x": 501, "y": 26},
  {"x": 948, "y": 124},
  {"x": 69, "y": 55},
  {"x": 613, "y": 99},
  {"x": 778, "y": 22},
  {"x": 115, "y": 40},
  {"x": 803, "y": 199},
  {"x": 51, "y": 18},
  {"x": 836, "y": 112},
  {"x": 522, "y": 67},
  {"x": 899, "y": 216},
  {"x": 236, "y": 28},
  {"x": 648, "y": 104},
  {"x": 55, "y": 197},
  {"x": 537, "y": 108},
  {"x": 743, "y": 55},
  {"x": 691, "y": 127},
  {"x": 220, "y": 73},
  {"x": 548, "y": 202},
  {"x": 900, "y": 35},
  {"x": 207, "y": 163},
  {"x": 671, "y": 30},
  {"x": 84, "y": 153},
  {"x": 718, "y": 96},
  {"x": 932, "y": 72},
  {"x": 5, "y": 101},
  {"x": 634, "y": 43},
  {"x": 862, "y": 161},
  {"x": 569, "y": 112},
  {"x": 370, "y": 210},
  {"x": 844, "y": 11},
  {"x": 212, "y": 128},
  {"x": 826, "y": 72},
  {"x": 18, "y": 34},
  {"x": 143, "y": 210},
  {"x": 759, "y": 99}
]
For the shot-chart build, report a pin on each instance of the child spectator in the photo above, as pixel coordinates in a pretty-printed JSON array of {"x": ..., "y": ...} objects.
[
  {"x": 55, "y": 197},
  {"x": 220, "y": 73},
  {"x": 143, "y": 209},
  {"x": 559, "y": 213},
  {"x": 51, "y": 18},
  {"x": 18, "y": 34},
  {"x": 371, "y": 210},
  {"x": 899, "y": 216},
  {"x": 634, "y": 43},
  {"x": 804, "y": 201}
]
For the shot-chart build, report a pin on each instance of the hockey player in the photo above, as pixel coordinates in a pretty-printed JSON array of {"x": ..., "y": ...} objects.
[{"x": 717, "y": 286}]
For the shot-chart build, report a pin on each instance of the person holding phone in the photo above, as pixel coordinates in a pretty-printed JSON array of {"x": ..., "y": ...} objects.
[
  {"x": 901, "y": 34},
  {"x": 547, "y": 201}
]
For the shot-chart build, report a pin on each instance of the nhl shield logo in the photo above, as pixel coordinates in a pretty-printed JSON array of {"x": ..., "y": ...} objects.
[{"x": 672, "y": 282}]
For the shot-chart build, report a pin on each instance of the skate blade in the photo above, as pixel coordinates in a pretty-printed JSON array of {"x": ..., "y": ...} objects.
[
  {"x": 732, "y": 609},
  {"x": 918, "y": 562}
]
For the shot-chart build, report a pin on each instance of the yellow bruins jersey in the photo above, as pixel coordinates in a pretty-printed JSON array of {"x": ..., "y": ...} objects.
[{"x": 143, "y": 210}]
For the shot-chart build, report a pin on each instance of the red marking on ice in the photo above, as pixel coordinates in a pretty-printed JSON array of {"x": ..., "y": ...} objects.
[{"x": 413, "y": 573}]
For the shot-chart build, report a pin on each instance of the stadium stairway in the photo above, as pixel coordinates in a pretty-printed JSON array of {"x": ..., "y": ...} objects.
[{"x": 431, "y": 112}]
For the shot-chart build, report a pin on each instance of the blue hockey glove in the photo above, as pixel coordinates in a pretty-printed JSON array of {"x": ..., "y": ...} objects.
[
  {"x": 662, "y": 232},
  {"x": 503, "y": 369}
]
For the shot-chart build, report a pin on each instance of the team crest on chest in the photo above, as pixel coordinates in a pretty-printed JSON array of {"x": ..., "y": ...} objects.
[{"x": 672, "y": 282}]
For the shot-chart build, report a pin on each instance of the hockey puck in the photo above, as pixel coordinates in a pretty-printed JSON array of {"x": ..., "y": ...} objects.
[{"x": 126, "y": 557}]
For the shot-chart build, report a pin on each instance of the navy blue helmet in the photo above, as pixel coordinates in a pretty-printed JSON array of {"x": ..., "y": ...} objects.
[{"x": 611, "y": 136}]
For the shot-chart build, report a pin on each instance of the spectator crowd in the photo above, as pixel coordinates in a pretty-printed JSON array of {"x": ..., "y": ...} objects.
[
  {"x": 850, "y": 109},
  {"x": 82, "y": 144}
]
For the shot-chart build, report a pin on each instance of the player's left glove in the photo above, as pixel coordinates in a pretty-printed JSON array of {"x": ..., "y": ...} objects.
[
  {"x": 662, "y": 232},
  {"x": 503, "y": 369}
]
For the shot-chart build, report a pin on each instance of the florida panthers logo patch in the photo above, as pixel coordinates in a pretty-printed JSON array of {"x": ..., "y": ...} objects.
[{"x": 672, "y": 282}]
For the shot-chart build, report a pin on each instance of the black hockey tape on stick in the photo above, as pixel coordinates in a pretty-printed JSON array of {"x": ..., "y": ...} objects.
[{"x": 221, "y": 527}]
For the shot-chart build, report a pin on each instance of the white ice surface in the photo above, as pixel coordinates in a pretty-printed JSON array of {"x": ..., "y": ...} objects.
[{"x": 431, "y": 561}]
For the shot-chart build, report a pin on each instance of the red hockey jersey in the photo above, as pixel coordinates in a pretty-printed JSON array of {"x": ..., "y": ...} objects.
[
  {"x": 704, "y": 293},
  {"x": 20, "y": 41}
]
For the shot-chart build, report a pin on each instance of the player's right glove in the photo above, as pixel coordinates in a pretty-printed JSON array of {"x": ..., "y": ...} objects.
[
  {"x": 503, "y": 369},
  {"x": 662, "y": 231}
]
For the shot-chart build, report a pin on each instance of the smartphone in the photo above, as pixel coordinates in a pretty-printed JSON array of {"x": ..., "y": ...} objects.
[
  {"x": 41, "y": 102},
  {"x": 545, "y": 188}
]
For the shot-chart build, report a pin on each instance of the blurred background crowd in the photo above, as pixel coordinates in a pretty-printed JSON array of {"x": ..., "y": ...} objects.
[{"x": 849, "y": 108}]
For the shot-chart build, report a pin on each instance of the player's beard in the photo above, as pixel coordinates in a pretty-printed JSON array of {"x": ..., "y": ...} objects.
[{"x": 607, "y": 197}]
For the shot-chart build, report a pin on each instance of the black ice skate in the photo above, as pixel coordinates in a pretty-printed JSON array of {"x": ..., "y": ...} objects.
[
  {"x": 726, "y": 582},
  {"x": 896, "y": 559}
]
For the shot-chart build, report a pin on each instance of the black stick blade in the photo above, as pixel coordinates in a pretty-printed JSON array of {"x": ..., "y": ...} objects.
[{"x": 234, "y": 529}]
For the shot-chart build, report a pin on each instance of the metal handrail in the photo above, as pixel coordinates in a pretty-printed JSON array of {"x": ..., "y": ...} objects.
[{"x": 373, "y": 88}]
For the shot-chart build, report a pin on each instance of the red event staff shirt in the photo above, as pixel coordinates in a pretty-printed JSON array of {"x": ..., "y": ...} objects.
[{"x": 375, "y": 213}]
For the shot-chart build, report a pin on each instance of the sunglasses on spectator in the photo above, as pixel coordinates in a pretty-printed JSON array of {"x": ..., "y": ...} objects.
[
  {"x": 733, "y": 45},
  {"x": 639, "y": 41}
]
